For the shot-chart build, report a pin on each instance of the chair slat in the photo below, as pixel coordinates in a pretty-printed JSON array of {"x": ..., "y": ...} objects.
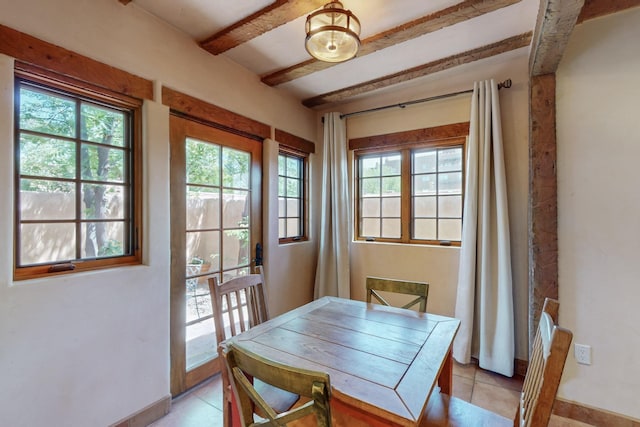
[{"x": 418, "y": 289}]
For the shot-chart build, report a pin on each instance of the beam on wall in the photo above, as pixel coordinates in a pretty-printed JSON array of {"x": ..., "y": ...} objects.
[
  {"x": 556, "y": 20},
  {"x": 543, "y": 201}
]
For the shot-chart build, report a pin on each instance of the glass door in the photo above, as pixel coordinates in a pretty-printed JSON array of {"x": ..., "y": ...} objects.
[{"x": 215, "y": 224}]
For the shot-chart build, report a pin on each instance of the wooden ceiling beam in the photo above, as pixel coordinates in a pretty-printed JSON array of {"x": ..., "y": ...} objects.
[
  {"x": 556, "y": 20},
  {"x": 276, "y": 14},
  {"x": 595, "y": 8},
  {"x": 497, "y": 48},
  {"x": 455, "y": 14}
]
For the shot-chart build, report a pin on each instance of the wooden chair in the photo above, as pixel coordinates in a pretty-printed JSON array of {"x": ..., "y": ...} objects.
[
  {"x": 550, "y": 348},
  {"x": 246, "y": 367},
  {"x": 419, "y": 289},
  {"x": 242, "y": 301}
]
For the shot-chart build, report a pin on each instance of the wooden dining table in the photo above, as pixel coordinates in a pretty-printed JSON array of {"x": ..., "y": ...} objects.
[{"x": 383, "y": 362}]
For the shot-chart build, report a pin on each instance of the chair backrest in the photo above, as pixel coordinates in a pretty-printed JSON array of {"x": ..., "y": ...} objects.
[
  {"x": 550, "y": 347},
  {"x": 419, "y": 289},
  {"x": 241, "y": 300},
  {"x": 243, "y": 366}
]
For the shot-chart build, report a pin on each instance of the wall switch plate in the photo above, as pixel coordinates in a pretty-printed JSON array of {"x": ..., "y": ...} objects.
[{"x": 583, "y": 354}]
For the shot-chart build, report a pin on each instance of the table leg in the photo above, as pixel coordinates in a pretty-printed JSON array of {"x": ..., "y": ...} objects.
[
  {"x": 446, "y": 375},
  {"x": 233, "y": 412}
]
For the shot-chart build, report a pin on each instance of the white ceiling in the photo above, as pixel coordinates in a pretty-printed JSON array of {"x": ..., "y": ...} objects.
[{"x": 283, "y": 46}]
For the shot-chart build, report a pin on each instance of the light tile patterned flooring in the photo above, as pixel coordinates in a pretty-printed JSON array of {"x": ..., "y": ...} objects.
[{"x": 202, "y": 406}]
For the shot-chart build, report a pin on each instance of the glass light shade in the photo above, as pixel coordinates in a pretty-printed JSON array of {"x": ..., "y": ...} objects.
[{"x": 333, "y": 34}]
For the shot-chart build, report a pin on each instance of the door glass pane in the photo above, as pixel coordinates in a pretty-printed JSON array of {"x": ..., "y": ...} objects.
[{"x": 218, "y": 203}]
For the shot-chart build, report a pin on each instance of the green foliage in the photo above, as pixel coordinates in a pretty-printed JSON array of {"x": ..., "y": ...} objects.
[
  {"x": 102, "y": 125},
  {"x": 111, "y": 247},
  {"x": 203, "y": 162},
  {"x": 56, "y": 158},
  {"x": 46, "y": 113},
  {"x": 235, "y": 168}
]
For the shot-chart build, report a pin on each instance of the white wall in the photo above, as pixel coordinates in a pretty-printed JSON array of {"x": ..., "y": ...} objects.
[
  {"x": 87, "y": 348},
  {"x": 293, "y": 263},
  {"x": 434, "y": 264},
  {"x": 90, "y": 349},
  {"x": 598, "y": 88}
]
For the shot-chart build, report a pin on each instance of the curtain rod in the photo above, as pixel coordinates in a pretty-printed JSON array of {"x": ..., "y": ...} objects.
[{"x": 505, "y": 84}]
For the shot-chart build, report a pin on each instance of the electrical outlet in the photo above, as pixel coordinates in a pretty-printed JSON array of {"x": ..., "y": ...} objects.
[{"x": 583, "y": 354}]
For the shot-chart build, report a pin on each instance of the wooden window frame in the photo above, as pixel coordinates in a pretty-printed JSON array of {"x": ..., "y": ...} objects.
[
  {"x": 304, "y": 187},
  {"x": 82, "y": 90},
  {"x": 404, "y": 143}
]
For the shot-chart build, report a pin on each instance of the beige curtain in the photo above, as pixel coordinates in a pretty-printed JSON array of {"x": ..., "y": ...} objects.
[
  {"x": 484, "y": 301},
  {"x": 332, "y": 271}
]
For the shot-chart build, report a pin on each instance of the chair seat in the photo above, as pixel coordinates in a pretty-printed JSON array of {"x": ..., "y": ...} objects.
[
  {"x": 447, "y": 411},
  {"x": 280, "y": 400}
]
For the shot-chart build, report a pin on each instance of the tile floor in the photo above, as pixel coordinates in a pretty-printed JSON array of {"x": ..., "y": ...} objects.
[{"x": 202, "y": 406}]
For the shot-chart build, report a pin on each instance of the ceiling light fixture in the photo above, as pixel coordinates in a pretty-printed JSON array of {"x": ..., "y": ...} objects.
[{"x": 333, "y": 34}]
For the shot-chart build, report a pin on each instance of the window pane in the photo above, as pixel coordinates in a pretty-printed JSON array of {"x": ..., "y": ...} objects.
[
  {"x": 99, "y": 124},
  {"x": 370, "y": 187},
  {"x": 449, "y": 229},
  {"x": 370, "y": 207},
  {"x": 282, "y": 160},
  {"x": 435, "y": 193},
  {"x": 449, "y": 206},
  {"x": 293, "y": 227},
  {"x": 235, "y": 247},
  {"x": 235, "y": 205},
  {"x": 48, "y": 157},
  {"x": 291, "y": 191},
  {"x": 203, "y": 247},
  {"x": 203, "y": 208},
  {"x": 370, "y": 227},
  {"x": 47, "y": 113},
  {"x": 450, "y": 183},
  {"x": 203, "y": 162},
  {"x": 391, "y": 164},
  {"x": 370, "y": 166},
  {"x": 391, "y": 207},
  {"x": 46, "y": 200},
  {"x": 450, "y": 159},
  {"x": 391, "y": 186},
  {"x": 424, "y": 184},
  {"x": 52, "y": 128},
  {"x": 424, "y": 229},
  {"x": 41, "y": 243},
  {"x": 102, "y": 201},
  {"x": 235, "y": 168},
  {"x": 293, "y": 188},
  {"x": 102, "y": 239},
  {"x": 424, "y": 206},
  {"x": 293, "y": 167},
  {"x": 391, "y": 228},
  {"x": 424, "y": 161},
  {"x": 293, "y": 208},
  {"x": 102, "y": 163}
]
